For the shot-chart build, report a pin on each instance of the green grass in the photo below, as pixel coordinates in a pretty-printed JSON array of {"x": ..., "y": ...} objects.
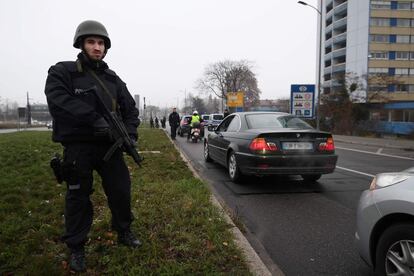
[{"x": 182, "y": 233}]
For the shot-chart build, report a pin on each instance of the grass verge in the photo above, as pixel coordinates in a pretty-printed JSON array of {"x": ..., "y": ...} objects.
[{"x": 182, "y": 233}]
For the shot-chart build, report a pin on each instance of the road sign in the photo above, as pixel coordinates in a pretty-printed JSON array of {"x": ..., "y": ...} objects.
[
  {"x": 302, "y": 100},
  {"x": 22, "y": 112},
  {"x": 235, "y": 99}
]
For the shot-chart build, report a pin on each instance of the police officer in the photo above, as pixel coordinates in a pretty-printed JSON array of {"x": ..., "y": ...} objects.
[
  {"x": 174, "y": 121},
  {"x": 78, "y": 124},
  {"x": 195, "y": 121}
]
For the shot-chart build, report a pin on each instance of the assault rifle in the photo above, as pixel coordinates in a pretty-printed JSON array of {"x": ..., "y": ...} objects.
[
  {"x": 118, "y": 131},
  {"x": 121, "y": 137}
]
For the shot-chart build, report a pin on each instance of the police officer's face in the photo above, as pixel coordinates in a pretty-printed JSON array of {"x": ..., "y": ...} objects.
[{"x": 94, "y": 47}]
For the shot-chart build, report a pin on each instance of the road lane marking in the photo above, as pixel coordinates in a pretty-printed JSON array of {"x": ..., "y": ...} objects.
[
  {"x": 354, "y": 171},
  {"x": 379, "y": 150},
  {"x": 375, "y": 153}
]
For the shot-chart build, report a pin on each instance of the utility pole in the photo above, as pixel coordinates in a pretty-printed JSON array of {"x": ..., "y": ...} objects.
[
  {"x": 29, "y": 113},
  {"x": 318, "y": 103}
]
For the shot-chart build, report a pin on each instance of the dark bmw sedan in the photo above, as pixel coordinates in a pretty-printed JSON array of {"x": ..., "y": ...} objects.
[{"x": 270, "y": 143}]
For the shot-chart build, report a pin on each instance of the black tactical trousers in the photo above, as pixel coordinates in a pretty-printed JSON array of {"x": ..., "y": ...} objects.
[
  {"x": 80, "y": 160},
  {"x": 173, "y": 131}
]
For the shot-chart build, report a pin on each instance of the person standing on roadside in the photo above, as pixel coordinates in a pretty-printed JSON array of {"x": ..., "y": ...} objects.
[
  {"x": 174, "y": 121},
  {"x": 226, "y": 113},
  {"x": 73, "y": 89}
]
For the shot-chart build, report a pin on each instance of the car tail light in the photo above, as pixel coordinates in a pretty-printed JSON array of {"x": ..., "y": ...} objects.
[
  {"x": 261, "y": 145},
  {"x": 327, "y": 146}
]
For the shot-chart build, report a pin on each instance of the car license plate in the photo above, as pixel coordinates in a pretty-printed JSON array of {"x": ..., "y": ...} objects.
[{"x": 297, "y": 146}]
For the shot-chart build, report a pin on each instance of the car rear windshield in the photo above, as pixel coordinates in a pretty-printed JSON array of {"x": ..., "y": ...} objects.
[
  {"x": 275, "y": 121},
  {"x": 217, "y": 117}
]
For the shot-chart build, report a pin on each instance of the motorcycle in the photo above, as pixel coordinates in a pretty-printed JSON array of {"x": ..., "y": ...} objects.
[{"x": 195, "y": 133}]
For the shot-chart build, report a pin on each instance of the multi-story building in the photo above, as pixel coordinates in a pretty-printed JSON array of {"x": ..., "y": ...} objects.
[{"x": 373, "y": 41}]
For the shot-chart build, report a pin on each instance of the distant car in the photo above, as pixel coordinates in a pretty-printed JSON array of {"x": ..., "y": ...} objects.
[
  {"x": 184, "y": 126},
  {"x": 215, "y": 119},
  {"x": 49, "y": 125},
  {"x": 270, "y": 143},
  {"x": 205, "y": 118},
  {"x": 385, "y": 224}
]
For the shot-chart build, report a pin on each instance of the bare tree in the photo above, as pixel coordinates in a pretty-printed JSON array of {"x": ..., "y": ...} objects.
[
  {"x": 341, "y": 109},
  {"x": 230, "y": 76}
]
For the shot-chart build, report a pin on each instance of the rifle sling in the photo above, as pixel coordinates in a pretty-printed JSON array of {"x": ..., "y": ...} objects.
[{"x": 104, "y": 89}]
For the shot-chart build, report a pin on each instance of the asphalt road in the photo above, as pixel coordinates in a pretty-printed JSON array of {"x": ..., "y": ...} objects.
[{"x": 303, "y": 228}]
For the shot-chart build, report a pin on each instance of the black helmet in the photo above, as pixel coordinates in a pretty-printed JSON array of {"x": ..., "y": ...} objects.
[{"x": 89, "y": 28}]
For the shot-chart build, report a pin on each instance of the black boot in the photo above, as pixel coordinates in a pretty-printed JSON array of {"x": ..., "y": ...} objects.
[
  {"x": 77, "y": 260},
  {"x": 128, "y": 238}
]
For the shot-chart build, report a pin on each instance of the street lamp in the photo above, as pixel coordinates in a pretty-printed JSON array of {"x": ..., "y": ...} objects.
[{"x": 318, "y": 103}]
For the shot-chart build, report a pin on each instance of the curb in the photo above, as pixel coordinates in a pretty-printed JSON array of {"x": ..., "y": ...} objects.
[
  {"x": 339, "y": 139},
  {"x": 255, "y": 264}
]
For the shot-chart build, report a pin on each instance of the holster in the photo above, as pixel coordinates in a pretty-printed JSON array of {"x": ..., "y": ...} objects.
[{"x": 56, "y": 165}]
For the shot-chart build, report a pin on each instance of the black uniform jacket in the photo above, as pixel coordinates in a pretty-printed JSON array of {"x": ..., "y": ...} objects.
[
  {"x": 174, "y": 119},
  {"x": 70, "y": 91}
]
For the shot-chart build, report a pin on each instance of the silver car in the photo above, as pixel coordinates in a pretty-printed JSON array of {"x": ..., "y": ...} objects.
[{"x": 385, "y": 224}]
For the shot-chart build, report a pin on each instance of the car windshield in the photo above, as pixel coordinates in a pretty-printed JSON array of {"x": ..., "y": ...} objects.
[
  {"x": 255, "y": 121},
  {"x": 217, "y": 117}
]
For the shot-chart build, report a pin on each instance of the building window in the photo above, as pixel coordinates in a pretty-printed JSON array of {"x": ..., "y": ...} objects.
[
  {"x": 379, "y": 38},
  {"x": 402, "y": 39},
  {"x": 380, "y": 22},
  {"x": 378, "y": 71},
  {"x": 378, "y": 88},
  {"x": 412, "y": 55},
  {"x": 401, "y": 55},
  {"x": 403, "y": 6},
  {"x": 411, "y": 88},
  {"x": 403, "y": 22},
  {"x": 401, "y": 88},
  {"x": 381, "y": 5},
  {"x": 379, "y": 55},
  {"x": 401, "y": 71},
  {"x": 412, "y": 71},
  {"x": 408, "y": 115},
  {"x": 379, "y": 115}
]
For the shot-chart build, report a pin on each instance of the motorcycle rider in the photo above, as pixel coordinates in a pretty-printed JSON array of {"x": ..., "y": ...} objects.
[{"x": 195, "y": 122}]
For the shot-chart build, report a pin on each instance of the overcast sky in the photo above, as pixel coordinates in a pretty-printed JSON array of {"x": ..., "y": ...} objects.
[{"x": 160, "y": 47}]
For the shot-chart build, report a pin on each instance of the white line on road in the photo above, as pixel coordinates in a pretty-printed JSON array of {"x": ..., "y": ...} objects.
[
  {"x": 376, "y": 153},
  {"x": 379, "y": 150},
  {"x": 354, "y": 171}
]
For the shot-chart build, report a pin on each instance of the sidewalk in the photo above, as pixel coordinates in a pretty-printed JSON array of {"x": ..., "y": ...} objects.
[{"x": 379, "y": 142}]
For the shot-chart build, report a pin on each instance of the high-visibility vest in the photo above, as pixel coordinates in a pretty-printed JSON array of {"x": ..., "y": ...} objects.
[{"x": 195, "y": 119}]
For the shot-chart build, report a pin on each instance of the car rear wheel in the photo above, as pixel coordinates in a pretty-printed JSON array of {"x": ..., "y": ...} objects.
[
  {"x": 233, "y": 168},
  {"x": 394, "y": 253},
  {"x": 207, "y": 157},
  {"x": 311, "y": 177},
  {"x": 180, "y": 132}
]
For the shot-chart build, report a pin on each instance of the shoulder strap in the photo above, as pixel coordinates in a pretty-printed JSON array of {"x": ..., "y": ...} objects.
[{"x": 102, "y": 84}]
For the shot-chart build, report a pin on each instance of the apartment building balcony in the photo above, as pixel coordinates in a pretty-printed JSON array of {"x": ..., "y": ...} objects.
[
  {"x": 340, "y": 67},
  {"x": 339, "y": 53},
  {"x": 341, "y": 8},
  {"x": 340, "y": 23},
  {"x": 327, "y": 83},
  {"x": 339, "y": 38},
  {"x": 327, "y": 70},
  {"x": 328, "y": 56}
]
